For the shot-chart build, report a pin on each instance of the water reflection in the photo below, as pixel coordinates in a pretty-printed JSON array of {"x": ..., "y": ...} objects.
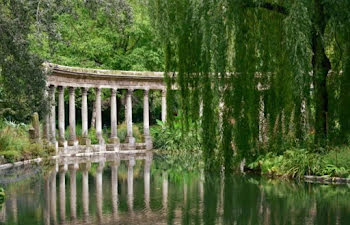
[{"x": 136, "y": 189}]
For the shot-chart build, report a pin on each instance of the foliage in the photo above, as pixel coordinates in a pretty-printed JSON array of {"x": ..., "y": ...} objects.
[
  {"x": 99, "y": 34},
  {"x": 22, "y": 80},
  {"x": 262, "y": 66},
  {"x": 180, "y": 151},
  {"x": 300, "y": 162},
  {"x": 122, "y": 132},
  {"x": 15, "y": 144},
  {"x": 2, "y": 196}
]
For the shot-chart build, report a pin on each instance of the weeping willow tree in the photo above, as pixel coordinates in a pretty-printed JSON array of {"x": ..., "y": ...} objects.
[{"x": 269, "y": 73}]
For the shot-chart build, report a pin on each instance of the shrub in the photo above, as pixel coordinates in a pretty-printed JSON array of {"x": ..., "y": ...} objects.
[
  {"x": 15, "y": 144},
  {"x": 300, "y": 162}
]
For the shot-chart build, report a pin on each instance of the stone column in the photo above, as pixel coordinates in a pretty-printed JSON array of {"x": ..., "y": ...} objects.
[
  {"x": 164, "y": 105},
  {"x": 52, "y": 114},
  {"x": 114, "y": 138},
  {"x": 53, "y": 197},
  {"x": 72, "y": 134},
  {"x": 148, "y": 139},
  {"x": 61, "y": 125},
  {"x": 99, "y": 117},
  {"x": 99, "y": 195},
  {"x": 46, "y": 125},
  {"x": 129, "y": 137},
  {"x": 62, "y": 176},
  {"x": 73, "y": 190},
  {"x": 114, "y": 168},
  {"x": 131, "y": 165},
  {"x": 84, "y": 117},
  {"x": 85, "y": 167}
]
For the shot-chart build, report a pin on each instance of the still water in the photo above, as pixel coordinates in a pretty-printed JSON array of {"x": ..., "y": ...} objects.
[{"x": 137, "y": 189}]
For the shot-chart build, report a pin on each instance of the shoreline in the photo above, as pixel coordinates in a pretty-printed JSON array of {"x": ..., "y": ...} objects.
[{"x": 307, "y": 178}]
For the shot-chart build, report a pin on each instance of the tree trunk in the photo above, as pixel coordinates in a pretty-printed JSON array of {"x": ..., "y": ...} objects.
[{"x": 321, "y": 66}]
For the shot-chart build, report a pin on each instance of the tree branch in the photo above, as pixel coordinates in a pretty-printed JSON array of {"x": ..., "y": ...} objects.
[{"x": 267, "y": 5}]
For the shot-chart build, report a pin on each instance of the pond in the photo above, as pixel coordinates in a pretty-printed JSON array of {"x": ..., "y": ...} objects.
[{"x": 136, "y": 189}]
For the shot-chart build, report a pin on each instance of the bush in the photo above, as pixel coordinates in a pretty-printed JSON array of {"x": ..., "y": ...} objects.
[
  {"x": 182, "y": 148},
  {"x": 300, "y": 162},
  {"x": 122, "y": 132},
  {"x": 15, "y": 144}
]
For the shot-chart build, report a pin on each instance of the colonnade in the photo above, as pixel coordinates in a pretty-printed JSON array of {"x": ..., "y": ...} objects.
[{"x": 113, "y": 140}]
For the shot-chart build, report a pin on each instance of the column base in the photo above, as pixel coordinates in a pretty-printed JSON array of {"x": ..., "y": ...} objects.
[
  {"x": 130, "y": 140},
  {"x": 85, "y": 141},
  {"x": 62, "y": 143},
  {"x": 101, "y": 141},
  {"x": 73, "y": 142},
  {"x": 148, "y": 142}
]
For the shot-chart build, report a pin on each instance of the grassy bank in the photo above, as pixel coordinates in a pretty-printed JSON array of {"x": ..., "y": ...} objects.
[
  {"x": 297, "y": 163},
  {"x": 16, "y": 146}
]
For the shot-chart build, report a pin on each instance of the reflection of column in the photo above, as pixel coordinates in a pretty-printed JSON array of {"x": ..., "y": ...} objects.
[
  {"x": 129, "y": 137},
  {"x": 99, "y": 196},
  {"x": 99, "y": 117},
  {"x": 114, "y": 167},
  {"x": 61, "y": 125},
  {"x": 73, "y": 190},
  {"x": 72, "y": 135},
  {"x": 131, "y": 165},
  {"x": 147, "y": 181},
  {"x": 46, "y": 209},
  {"x": 165, "y": 190},
  {"x": 201, "y": 194},
  {"x": 164, "y": 105},
  {"x": 114, "y": 138},
  {"x": 84, "y": 117},
  {"x": 147, "y": 136},
  {"x": 3, "y": 213},
  {"x": 85, "y": 167},
  {"x": 62, "y": 174},
  {"x": 14, "y": 209},
  {"x": 53, "y": 197}
]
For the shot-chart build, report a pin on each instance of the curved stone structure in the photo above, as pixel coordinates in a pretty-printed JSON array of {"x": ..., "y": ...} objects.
[{"x": 72, "y": 78}]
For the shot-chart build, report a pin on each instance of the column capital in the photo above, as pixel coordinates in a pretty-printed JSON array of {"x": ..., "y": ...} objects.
[
  {"x": 114, "y": 91},
  {"x": 146, "y": 92},
  {"x": 71, "y": 90},
  {"x": 52, "y": 89},
  {"x": 84, "y": 90},
  {"x": 130, "y": 91},
  {"x": 163, "y": 92},
  {"x": 60, "y": 89}
]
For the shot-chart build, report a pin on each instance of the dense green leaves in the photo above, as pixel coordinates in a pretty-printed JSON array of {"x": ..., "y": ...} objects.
[{"x": 262, "y": 67}]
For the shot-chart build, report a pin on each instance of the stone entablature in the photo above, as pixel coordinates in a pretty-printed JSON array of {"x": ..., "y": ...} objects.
[{"x": 92, "y": 78}]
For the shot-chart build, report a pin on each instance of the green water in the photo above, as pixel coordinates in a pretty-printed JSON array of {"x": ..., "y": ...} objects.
[{"x": 116, "y": 192}]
